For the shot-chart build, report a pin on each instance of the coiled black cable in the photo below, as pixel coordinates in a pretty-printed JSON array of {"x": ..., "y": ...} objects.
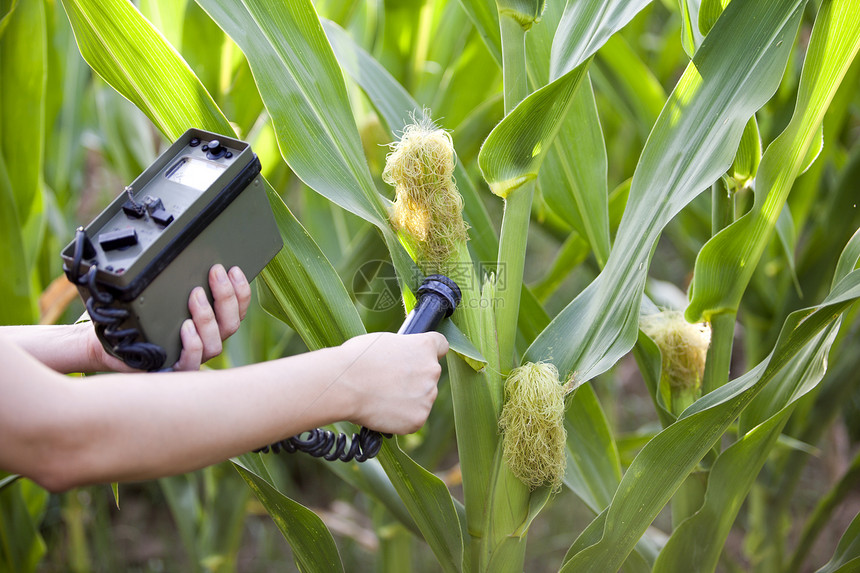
[
  {"x": 330, "y": 446},
  {"x": 125, "y": 342},
  {"x": 438, "y": 296}
]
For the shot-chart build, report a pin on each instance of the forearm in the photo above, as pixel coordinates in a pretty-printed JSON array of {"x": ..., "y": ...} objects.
[
  {"x": 66, "y": 432},
  {"x": 65, "y": 348},
  {"x": 160, "y": 424}
]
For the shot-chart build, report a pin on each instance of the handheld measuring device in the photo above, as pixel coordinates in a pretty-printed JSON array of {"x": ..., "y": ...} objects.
[{"x": 201, "y": 202}]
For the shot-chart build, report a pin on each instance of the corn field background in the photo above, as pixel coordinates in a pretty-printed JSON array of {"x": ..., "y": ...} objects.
[{"x": 615, "y": 157}]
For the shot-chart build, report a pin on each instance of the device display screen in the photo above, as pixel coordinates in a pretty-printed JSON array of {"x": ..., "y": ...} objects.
[{"x": 195, "y": 173}]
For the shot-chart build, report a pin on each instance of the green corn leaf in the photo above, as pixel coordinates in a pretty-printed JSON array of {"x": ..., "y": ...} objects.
[
  {"x": 305, "y": 287},
  {"x": 313, "y": 546},
  {"x": 168, "y": 16},
  {"x": 691, "y": 37},
  {"x": 692, "y": 144},
  {"x": 846, "y": 559},
  {"x": 5, "y": 12},
  {"x": 726, "y": 263},
  {"x": 104, "y": 32},
  {"x": 515, "y": 149},
  {"x": 593, "y": 466},
  {"x": 313, "y": 122},
  {"x": 485, "y": 17},
  {"x": 631, "y": 81},
  {"x": 638, "y": 501},
  {"x": 700, "y": 538},
  {"x": 20, "y": 306},
  {"x": 573, "y": 176},
  {"x": 709, "y": 12},
  {"x": 23, "y": 75},
  {"x": 21, "y": 546},
  {"x": 430, "y": 505}
]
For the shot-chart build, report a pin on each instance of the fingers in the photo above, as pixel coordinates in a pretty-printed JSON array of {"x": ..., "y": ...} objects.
[
  {"x": 204, "y": 320},
  {"x": 232, "y": 295},
  {"x": 192, "y": 347},
  {"x": 441, "y": 343},
  {"x": 242, "y": 288},
  {"x": 226, "y": 302}
]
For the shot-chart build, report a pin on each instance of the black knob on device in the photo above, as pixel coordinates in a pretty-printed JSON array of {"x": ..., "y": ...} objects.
[{"x": 215, "y": 149}]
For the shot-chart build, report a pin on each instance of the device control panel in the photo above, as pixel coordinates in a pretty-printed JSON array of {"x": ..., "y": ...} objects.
[{"x": 148, "y": 212}]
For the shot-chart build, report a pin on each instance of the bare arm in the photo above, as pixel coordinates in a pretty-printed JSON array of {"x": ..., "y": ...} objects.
[{"x": 63, "y": 432}]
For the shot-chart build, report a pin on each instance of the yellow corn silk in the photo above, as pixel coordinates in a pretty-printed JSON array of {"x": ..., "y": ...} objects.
[
  {"x": 532, "y": 421},
  {"x": 684, "y": 348},
  {"x": 428, "y": 208}
]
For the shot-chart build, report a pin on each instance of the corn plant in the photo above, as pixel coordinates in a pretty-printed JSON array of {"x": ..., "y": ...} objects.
[{"x": 562, "y": 126}]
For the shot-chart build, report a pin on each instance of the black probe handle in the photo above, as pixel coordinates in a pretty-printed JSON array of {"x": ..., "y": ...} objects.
[{"x": 438, "y": 296}]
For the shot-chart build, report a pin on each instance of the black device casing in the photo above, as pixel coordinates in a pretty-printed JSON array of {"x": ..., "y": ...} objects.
[{"x": 230, "y": 223}]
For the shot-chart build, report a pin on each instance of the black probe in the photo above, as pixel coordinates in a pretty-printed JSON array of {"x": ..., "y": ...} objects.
[{"x": 438, "y": 296}]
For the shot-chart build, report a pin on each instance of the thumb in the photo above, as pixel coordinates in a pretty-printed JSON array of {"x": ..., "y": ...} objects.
[{"x": 441, "y": 343}]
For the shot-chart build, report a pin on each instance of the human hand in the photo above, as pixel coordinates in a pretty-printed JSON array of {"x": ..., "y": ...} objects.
[
  {"x": 391, "y": 379},
  {"x": 202, "y": 334}
]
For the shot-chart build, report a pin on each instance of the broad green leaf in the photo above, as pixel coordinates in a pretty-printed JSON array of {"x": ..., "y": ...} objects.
[
  {"x": 313, "y": 546},
  {"x": 6, "y": 11},
  {"x": 485, "y": 16},
  {"x": 692, "y": 144},
  {"x": 572, "y": 179},
  {"x": 429, "y": 503},
  {"x": 125, "y": 50},
  {"x": 305, "y": 287},
  {"x": 593, "y": 466},
  {"x": 709, "y": 12},
  {"x": 20, "y": 304},
  {"x": 21, "y": 546},
  {"x": 638, "y": 501},
  {"x": 23, "y": 74},
  {"x": 847, "y": 556},
  {"x": 515, "y": 149},
  {"x": 168, "y": 16},
  {"x": 700, "y": 538},
  {"x": 632, "y": 83},
  {"x": 691, "y": 37},
  {"x": 726, "y": 263},
  {"x": 303, "y": 89}
]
